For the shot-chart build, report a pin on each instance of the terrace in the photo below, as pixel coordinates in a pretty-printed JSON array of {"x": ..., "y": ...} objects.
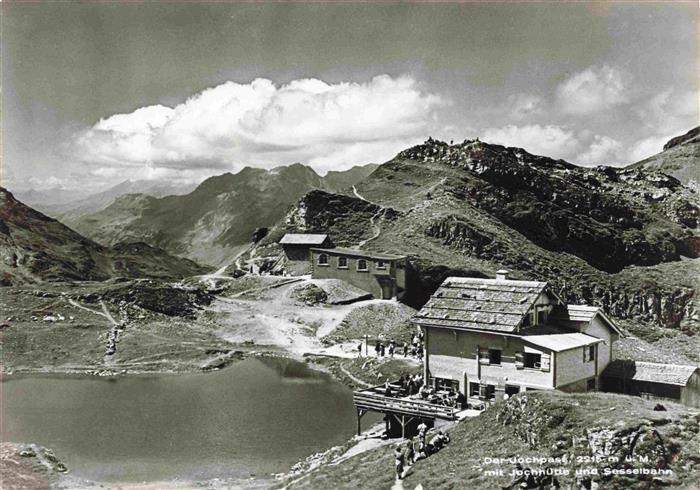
[{"x": 441, "y": 404}]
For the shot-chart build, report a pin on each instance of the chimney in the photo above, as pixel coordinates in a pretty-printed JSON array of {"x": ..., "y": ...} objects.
[{"x": 502, "y": 275}]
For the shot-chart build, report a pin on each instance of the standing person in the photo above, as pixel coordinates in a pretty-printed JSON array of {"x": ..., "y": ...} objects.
[
  {"x": 377, "y": 348},
  {"x": 359, "y": 350},
  {"x": 410, "y": 453},
  {"x": 391, "y": 350},
  {"x": 382, "y": 350},
  {"x": 400, "y": 460},
  {"x": 405, "y": 349}
]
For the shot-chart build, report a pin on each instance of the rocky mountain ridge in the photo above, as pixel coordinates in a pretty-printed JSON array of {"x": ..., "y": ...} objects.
[
  {"x": 35, "y": 248},
  {"x": 216, "y": 220},
  {"x": 623, "y": 239},
  {"x": 679, "y": 159}
]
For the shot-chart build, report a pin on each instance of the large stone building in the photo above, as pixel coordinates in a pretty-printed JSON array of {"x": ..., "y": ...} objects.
[
  {"x": 382, "y": 275},
  {"x": 489, "y": 337}
]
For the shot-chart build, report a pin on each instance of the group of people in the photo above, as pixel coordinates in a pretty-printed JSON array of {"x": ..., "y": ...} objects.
[
  {"x": 415, "y": 349},
  {"x": 405, "y": 460}
]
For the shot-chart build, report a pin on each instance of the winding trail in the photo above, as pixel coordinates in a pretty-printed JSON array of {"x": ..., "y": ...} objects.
[
  {"x": 372, "y": 220},
  {"x": 112, "y": 336},
  {"x": 357, "y": 194},
  {"x": 353, "y": 378}
]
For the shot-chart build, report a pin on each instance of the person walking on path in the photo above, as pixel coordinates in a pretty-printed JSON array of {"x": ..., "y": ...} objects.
[
  {"x": 400, "y": 460},
  {"x": 377, "y": 348},
  {"x": 359, "y": 349}
]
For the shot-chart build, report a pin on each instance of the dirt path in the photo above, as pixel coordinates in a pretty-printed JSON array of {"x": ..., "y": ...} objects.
[
  {"x": 279, "y": 320},
  {"x": 112, "y": 336},
  {"x": 372, "y": 221},
  {"x": 353, "y": 378}
]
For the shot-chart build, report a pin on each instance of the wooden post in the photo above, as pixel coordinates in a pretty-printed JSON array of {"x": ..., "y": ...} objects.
[
  {"x": 403, "y": 427},
  {"x": 426, "y": 366}
]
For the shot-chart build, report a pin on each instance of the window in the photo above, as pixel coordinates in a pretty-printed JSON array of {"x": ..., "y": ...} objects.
[
  {"x": 589, "y": 353},
  {"x": 381, "y": 264},
  {"x": 487, "y": 392},
  {"x": 532, "y": 360},
  {"x": 342, "y": 262},
  {"x": 446, "y": 384},
  {"x": 473, "y": 389},
  {"x": 361, "y": 265},
  {"x": 541, "y": 317},
  {"x": 323, "y": 259},
  {"x": 494, "y": 356},
  {"x": 512, "y": 390}
]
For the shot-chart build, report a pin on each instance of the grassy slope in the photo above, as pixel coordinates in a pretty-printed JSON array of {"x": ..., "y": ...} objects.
[
  {"x": 150, "y": 341},
  {"x": 552, "y": 420}
]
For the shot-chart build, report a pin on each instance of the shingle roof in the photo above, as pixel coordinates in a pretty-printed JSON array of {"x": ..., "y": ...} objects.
[
  {"x": 480, "y": 304},
  {"x": 674, "y": 374},
  {"x": 303, "y": 239},
  {"x": 580, "y": 313},
  {"x": 562, "y": 341},
  {"x": 351, "y": 252}
]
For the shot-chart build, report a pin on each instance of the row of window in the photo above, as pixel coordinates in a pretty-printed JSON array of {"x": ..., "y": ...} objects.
[
  {"x": 324, "y": 260},
  {"x": 528, "y": 359}
]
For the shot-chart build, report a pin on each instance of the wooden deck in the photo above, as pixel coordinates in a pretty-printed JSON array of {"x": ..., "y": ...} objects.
[{"x": 369, "y": 400}]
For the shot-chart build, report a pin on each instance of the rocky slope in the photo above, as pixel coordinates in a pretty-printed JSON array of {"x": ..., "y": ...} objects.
[
  {"x": 37, "y": 248},
  {"x": 613, "y": 435},
  {"x": 624, "y": 239},
  {"x": 679, "y": 159},
  {"x": 214, "y": 221}
]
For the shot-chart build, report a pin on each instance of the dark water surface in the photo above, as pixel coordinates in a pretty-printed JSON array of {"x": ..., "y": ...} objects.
[{"x": 254, "y": 417}]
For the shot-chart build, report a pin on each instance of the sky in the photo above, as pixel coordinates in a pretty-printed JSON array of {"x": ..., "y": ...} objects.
[{"x": 97, "y": 93}]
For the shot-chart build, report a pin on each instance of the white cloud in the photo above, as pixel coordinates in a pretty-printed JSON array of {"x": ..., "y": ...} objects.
[
  {"x": 259, "y": 123},
  {"x": 603, "y": 150},
  {"x": 646, "y": 147},
  {"x": 551, "y": 141},
  {"x": 670, "y": 112},
  {"x": 592, "y": 90},
  {"x": 520, "y": 106}
]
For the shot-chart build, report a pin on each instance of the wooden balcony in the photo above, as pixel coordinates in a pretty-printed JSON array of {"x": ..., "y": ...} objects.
[{"x": 370, "y": 399}]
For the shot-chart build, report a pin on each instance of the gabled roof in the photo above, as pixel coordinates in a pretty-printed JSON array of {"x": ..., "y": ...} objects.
[
  {"x": 581, "y": 313},
  {"x": 303, "y": 239},
  {"x": 480, "y": 304},
  {"x": 351, "y": 252},
  {"x": 674, "y": 374},
  {"x": 561, "y": 341}
]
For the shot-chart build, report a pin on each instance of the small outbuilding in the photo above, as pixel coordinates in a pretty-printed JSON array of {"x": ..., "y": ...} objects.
[
  {"x": 297, "y": 246},
  {"x": 652, "y": 380}
]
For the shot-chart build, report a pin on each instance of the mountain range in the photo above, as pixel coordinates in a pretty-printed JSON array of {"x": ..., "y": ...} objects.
[
  {"x": 36, "y": 248},
  {"x": 216, "y": 220},
  {"x": 625, "y": 239}
]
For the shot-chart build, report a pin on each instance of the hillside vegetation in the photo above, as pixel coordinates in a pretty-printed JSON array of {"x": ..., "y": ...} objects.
[{"x": 592, "y": 431}]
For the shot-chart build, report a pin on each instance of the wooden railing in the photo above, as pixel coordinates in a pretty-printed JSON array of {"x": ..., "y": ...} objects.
[{"x": 366, "y": 400}]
